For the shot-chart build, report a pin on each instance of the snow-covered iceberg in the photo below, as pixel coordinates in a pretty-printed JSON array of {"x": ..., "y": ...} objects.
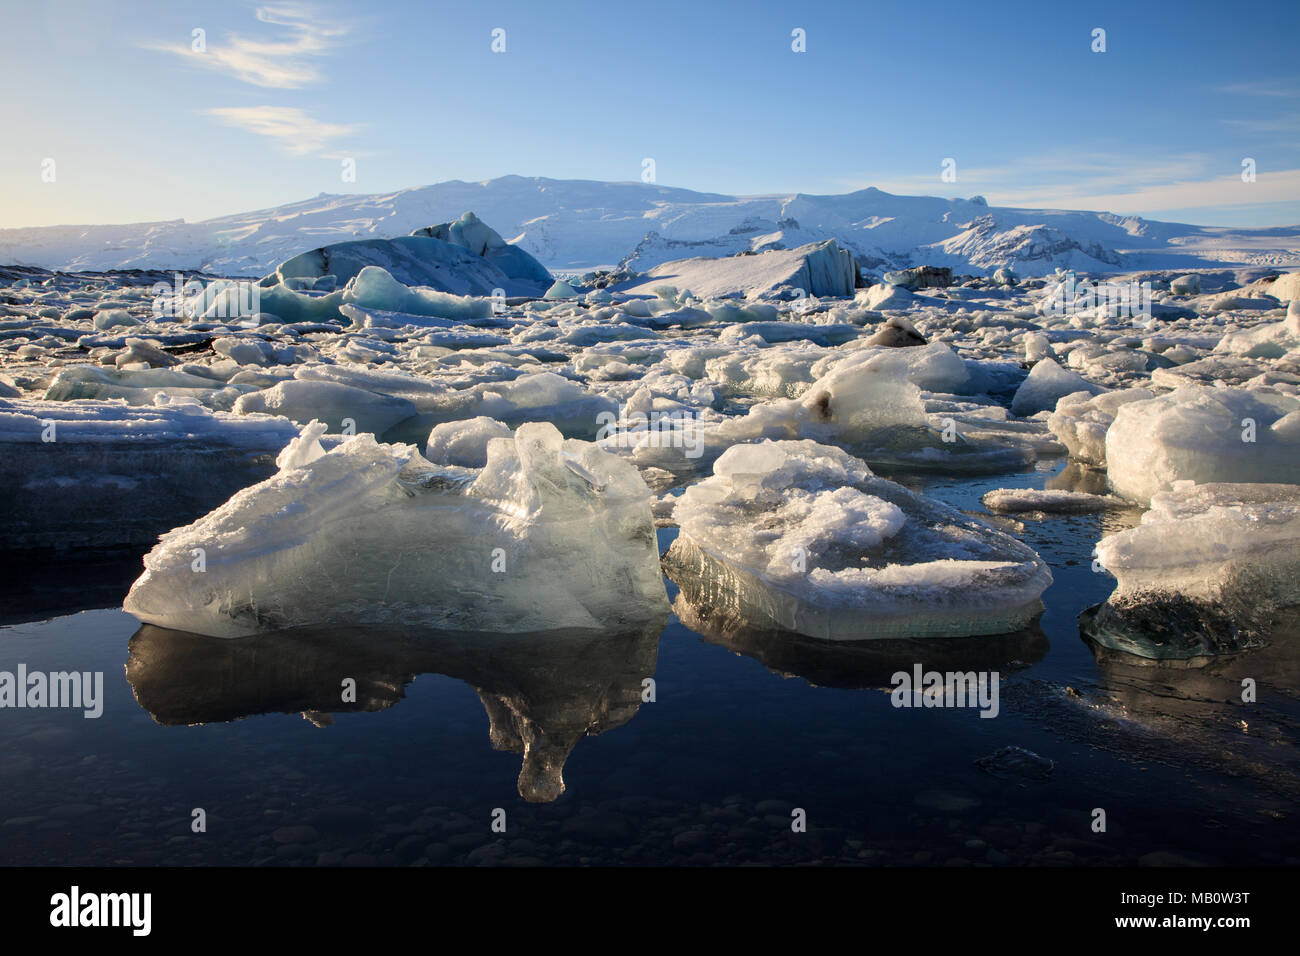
[
  {"x": 803, "y": 537},
  {"x": 548, "y": 534},
  {"x": 819, "y": 268},
  {"x": 464, "y": 257},
  {"x": 1203, "y": 573}
]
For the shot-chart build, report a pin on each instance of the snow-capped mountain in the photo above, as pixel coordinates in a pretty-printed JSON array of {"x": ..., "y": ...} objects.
[{"x": 573, "y": 225}]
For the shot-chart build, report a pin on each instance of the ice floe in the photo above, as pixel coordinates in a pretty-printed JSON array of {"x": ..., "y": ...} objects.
[
  {"x": 803, "y": 537},
  {"x": 548, "y": 534}
]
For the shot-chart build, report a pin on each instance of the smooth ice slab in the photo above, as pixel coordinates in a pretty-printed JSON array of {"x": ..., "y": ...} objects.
[
  {"x": 548, "y": 534},
  {"x": 90, "y": 474},
  {"x": 803, "y": 537}
]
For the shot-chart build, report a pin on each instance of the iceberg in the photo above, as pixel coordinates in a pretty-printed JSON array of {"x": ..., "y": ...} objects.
[
  {"x": 470, "y": 232},
  {"x": 822, "y": 268},
  {"x": 424, "y": 259},
  {"x": 550, "y": 533},
  {"x": 802, "y": 537}
]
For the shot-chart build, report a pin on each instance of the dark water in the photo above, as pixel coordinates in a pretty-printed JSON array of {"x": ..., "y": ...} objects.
[{"x": 744, "y": 730}]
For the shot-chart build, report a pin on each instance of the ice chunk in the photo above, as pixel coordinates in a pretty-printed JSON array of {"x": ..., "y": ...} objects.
[
  {"x": 464, "y": 443},
  {"x": 1204, "y": 572},
  {"x": 374, "y": 288},
  {"x": 1082, "y": 418},
  {"x": 881, "y": 297},
  {"x": 1206, "y": 435},
  {"x": 1270, "y": 340},
  {"x": 560, "y": 290},
  {"x": 867, "y": 403},
  {"x": 112, "y": 318},
  {"x": 803, "y": 537},
  {"x": 1046, "y": 383},
  {"x": 1055, "y": 500},
  {"x": 549, "y": 534},
  {"x": 345, "y": 408},
  {"x": 142, "y": 386}
]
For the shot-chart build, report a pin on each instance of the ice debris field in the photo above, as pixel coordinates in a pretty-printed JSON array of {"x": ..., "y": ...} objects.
[{"x": 433, "y": 429}]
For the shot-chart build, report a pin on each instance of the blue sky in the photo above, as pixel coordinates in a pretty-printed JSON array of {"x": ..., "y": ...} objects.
[{"x": 142, "y": 127}]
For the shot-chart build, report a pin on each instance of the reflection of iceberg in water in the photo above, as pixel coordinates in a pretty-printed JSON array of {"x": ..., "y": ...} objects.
[
  {"x": 861, "y": 664},
  {"x": 543, "y": 692}
]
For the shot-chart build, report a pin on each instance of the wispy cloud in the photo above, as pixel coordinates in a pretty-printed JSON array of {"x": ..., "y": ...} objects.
[
  {"x": 1280, "y": 89},
  {"x": 1278, "y": 123},
  {"x": 284, "y": 63},
  {"x": 294, "y": 130},
  {"x": 1113, "y": 183}
]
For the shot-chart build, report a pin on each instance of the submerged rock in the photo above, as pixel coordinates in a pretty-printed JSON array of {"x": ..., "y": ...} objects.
[{"x": 1016, "y": 763}]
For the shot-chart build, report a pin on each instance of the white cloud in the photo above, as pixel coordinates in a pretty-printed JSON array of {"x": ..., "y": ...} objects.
[
  {"x": 294, "y": 130},
  {"x": 276, "y": 64},
  {"x": 1110, "y": 183}
]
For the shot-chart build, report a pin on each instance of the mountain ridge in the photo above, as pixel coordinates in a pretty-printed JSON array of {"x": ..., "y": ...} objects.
[{"x": 574, "y": 225}]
